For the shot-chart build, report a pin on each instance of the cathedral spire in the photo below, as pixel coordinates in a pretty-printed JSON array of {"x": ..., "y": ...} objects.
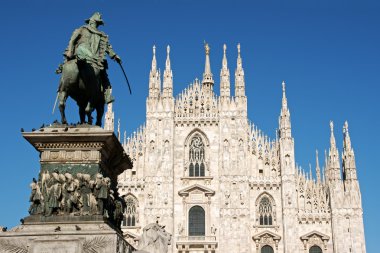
[
  {"x": 154, "y": 61},
  {"x": 207, "y": 81},
  {"x": 109, "y": 123},
  {"x": 317, "y": 168},
  {"x": 284, "y": 120},
  {"x": 224, "y": 76},
  {"x": 168, "y": 77},
  {"x": 284, "y": 99},
  {"x": 154, "y": 77},
  {"x": 333, "y": 162},
  {"x": 239, "y": 76},
  {"x": 348, "y": 156},
  {"x": 332, "y": 137},
  {"x": 347, "y": 139}
]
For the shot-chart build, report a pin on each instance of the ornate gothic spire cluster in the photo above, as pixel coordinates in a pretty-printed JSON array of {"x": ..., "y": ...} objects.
[
  {"x": 135, "y": 144},
  {"x": 196, "y": 103},
  {"x": 313, "y": 200}
]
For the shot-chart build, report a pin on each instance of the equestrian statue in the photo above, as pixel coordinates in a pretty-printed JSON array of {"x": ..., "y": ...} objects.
[{"x": 83, "y": 74}]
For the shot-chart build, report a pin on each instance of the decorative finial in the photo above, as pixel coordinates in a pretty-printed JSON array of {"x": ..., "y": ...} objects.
[
  {"x": 224, "y": 49},
  {"x": 345, "y": 127},
  {"x": 331, "y": 126},
  {"x": 154, "y": 49},
  {"x": 168, "y": 49},
  {"x": 238, "y": 47},
  {"x": 284, "y": 100},
  {"x": 207, "y": 48},
  {"x": 316, "y": 154}
]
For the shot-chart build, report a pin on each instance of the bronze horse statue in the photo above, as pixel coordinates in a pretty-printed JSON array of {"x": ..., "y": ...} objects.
[{"x": 82, "y": 82}]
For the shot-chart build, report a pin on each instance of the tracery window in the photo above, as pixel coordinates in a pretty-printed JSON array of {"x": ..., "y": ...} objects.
[
  {"x": 196, "y": 221},
  {"x": 130, "y": 213},
  {"x": 265, "y": 211},
  {"x": 315, "y": 249},
  {"x": 197, "y": 157},
  {"x": 267, "y": 249}
]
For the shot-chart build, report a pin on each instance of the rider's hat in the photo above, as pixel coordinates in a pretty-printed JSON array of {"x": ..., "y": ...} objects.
[{"x": 97, "y": 17}]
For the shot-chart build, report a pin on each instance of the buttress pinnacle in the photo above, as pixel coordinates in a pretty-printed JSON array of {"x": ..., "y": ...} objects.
[{"x": 207, "y": 75}]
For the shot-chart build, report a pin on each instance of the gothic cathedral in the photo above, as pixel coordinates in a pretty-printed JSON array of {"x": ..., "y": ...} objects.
[{"x": 219, "y": 185}]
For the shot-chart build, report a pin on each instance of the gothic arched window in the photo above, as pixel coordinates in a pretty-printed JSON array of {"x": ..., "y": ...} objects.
[
  {"x": 197, "y": 157},
  {"x": 196, "y": 221},
  {"x": 267, "y": 249},
  {"x": 315, "y": 249},
  {"x": 130, "y": 214},
  {"x": 265, "y": 212}
]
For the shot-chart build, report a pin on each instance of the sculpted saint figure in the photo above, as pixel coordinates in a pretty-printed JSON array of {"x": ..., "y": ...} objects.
[{"x": 84, "y": 76}]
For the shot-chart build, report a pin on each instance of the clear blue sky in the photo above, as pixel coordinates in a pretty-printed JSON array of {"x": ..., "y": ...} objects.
[{"x": 328, "y": 53}]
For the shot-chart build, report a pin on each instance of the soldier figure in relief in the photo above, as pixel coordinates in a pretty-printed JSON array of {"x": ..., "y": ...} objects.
[
  {"x": 36, "y": 198},
  {"x": 101, "y": 193}
]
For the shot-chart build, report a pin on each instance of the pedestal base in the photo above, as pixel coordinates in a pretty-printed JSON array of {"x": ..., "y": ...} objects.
[{"x": 63, "y": 237}]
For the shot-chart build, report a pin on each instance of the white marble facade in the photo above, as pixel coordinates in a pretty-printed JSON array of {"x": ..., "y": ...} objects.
[{"x": 219, "y": 184}]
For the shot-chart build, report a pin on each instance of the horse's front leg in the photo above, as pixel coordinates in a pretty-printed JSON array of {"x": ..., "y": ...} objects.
[
  {"x": 62, "y": 95},
  {"x": 82, "y": 113},
  {"x": 88, "y": 111},
  {"x": 99, "y": 114}
]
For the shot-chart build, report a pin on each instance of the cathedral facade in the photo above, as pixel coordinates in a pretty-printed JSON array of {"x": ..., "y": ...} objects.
[{"x": 219, "y": 184}]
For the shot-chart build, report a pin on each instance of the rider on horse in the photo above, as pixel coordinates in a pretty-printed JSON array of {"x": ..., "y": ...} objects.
[{"x": 89, "y": 45}]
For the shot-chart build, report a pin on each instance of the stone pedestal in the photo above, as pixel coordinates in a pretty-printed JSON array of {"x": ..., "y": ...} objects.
[
  {"x": 64, "y": 237},
  {"x": 78, "y": 174}
]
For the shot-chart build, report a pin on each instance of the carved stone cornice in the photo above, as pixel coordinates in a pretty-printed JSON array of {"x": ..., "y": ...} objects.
[
  {"x": 266, "y": 238},
  {"x": 315, "y": 238},
  {"x": 63, "y": 145}
]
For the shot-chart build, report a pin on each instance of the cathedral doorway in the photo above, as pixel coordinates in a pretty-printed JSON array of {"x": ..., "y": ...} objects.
[
  {"x": 315, "y": 249},
  {"x": 267, "y": 249},
  {"x": 196, "y": 221}
]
